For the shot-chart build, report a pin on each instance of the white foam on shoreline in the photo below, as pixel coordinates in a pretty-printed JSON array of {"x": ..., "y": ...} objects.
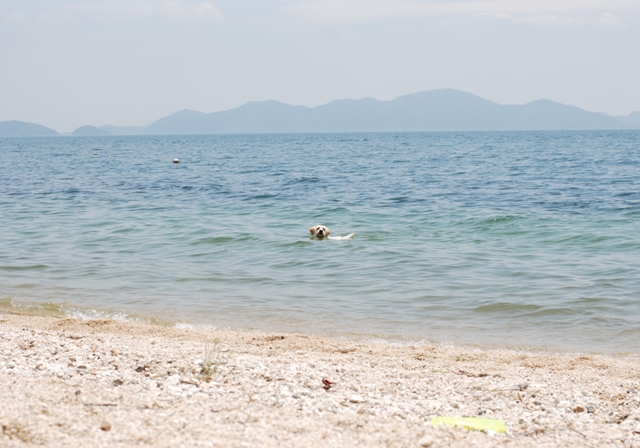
[
  {"x": 92, "y": 314},
  {"x": 51, "y": 309},
  {"x": 188, "y": 326}
]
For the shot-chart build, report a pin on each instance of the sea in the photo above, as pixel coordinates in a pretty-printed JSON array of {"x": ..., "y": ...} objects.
[{"x": 519, "y": 240}]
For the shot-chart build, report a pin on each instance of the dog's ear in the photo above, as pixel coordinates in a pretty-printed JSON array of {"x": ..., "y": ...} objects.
[
  {"x": 312, "y": 230},
  {"x": 328, "y": 231}
]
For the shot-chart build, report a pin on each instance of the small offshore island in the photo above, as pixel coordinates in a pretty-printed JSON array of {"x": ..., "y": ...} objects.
[{"x": 74, "y": 383}]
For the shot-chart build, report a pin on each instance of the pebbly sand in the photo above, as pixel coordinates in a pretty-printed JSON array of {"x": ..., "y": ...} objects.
[{"x": 68, "y": 382}]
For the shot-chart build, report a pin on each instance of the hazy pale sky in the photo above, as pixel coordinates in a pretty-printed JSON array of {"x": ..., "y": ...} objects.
[{"x": 66, "y": 63}]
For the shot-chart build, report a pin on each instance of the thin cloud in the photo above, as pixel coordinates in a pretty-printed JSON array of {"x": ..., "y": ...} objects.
[
  {"x": 550, "y": 20},
  {"x": 609, "y": 20},
  {"x": 605, "y": 20},
  {"x": 173, "y": 10},
  {"x": 52, "y": 17},
  {"x": 144, "y": 8},
  {"x": 360, "y": 10},
  {"x": 14, "y": 17},
  {"x": 495, "y": 15},
  {"x": 181, "y": 11}
]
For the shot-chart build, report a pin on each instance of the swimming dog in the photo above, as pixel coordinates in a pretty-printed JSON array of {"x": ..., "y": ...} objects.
[{"x": 323, "y": 232}]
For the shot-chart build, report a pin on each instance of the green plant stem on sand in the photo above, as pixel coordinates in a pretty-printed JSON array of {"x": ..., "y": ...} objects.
[{"x": 212, "y": 361}]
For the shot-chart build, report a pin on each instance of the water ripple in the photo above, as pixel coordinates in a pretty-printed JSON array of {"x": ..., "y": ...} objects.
[{"x": 506, "y": 238}]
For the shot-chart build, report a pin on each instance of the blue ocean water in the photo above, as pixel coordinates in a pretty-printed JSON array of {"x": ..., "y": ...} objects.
[{"x": 517, "y": 239}]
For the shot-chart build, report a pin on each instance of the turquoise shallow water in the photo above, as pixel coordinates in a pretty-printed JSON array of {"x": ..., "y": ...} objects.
[{"x": 521, "y": 239}]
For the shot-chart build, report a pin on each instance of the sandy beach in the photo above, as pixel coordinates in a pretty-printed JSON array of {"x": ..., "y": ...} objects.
[{"x": 69, "y": 382}]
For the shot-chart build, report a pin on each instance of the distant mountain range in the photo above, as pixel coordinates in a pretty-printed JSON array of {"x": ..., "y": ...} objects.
[
  {"x": 90, "y": 131},
  {"x": 434, "y": 110},
  {"x": 22, "y": 129}
]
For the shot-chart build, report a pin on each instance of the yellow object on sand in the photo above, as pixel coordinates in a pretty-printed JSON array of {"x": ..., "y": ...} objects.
[{"x": 478, "y": 424}]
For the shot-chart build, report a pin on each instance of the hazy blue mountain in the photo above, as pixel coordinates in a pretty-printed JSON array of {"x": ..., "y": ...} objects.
[
  {"x": 633, "y": 119},
  {"x": 435, "y": 110},
  {"x": 125, "y": 130},
  {"x": 91, "y": 131},
  {"x": 24, "y": 129},
  {"x": 178, "y": 122}
]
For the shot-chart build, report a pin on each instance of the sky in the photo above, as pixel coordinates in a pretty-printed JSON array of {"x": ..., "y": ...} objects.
[{"x": 68, "y": 63}]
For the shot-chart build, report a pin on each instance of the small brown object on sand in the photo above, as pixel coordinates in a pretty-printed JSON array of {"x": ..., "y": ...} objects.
[{"x": 105, "y": 426}]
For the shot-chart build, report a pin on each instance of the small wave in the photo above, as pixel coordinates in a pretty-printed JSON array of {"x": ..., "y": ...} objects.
[
  {"x": 92, "y": 314},
  {"x": 505, "y": 307},
  {"x": 302, "y": 180},
  {"x": 12, "y": 306},
  {"x": 24, "y": 268},
  {"x": 260, "y": 196},
  {"x": 51, "y": 309},
  {"x": 213, "y": 240},
  {"x": 499, "y": 219}
]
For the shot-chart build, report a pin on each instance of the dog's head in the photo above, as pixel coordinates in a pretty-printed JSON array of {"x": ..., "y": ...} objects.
[{"x": 319, "y": 232}]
